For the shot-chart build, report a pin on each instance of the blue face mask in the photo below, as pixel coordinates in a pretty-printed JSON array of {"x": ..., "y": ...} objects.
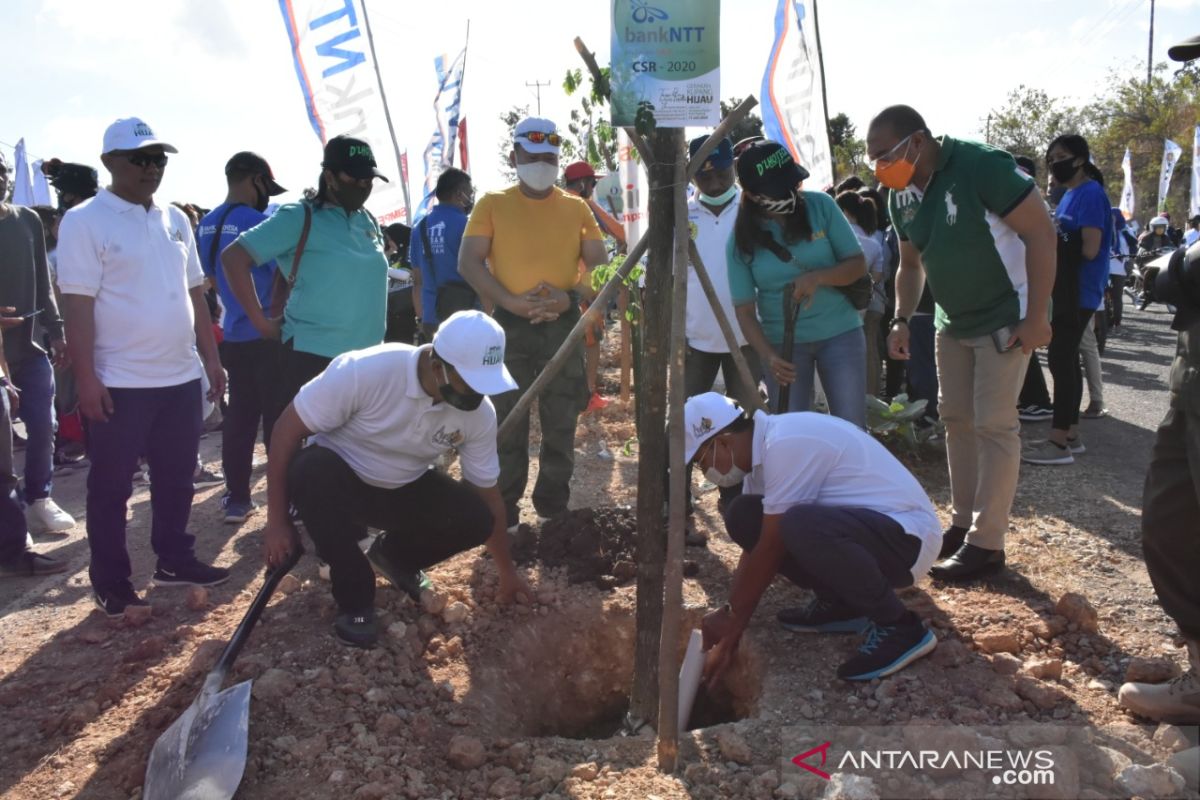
[{"x": 721, "y": 199}]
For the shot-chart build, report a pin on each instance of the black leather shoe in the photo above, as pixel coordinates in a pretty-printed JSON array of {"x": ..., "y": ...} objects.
[
  {"x": 967, "y": 563},
  {"x": 952, "y": 539}
]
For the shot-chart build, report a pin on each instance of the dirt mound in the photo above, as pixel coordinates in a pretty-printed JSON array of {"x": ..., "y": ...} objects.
[{"x": 595, "y": 545}]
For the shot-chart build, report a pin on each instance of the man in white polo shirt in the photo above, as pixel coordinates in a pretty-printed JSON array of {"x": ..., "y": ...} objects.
[
  {"x": 133, "y": 299},
  {"x": 828, "y": 507},
  {"x": 376, "y": 419}
]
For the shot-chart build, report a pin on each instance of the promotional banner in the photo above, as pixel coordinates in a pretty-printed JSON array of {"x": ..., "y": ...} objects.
[
  {"x": 1194, "y": 205},
  {"x": 666, "y": 53},
  {"x": 335, "y": 65},
  {"x": 634, "y": 199},
  {"x": 1128, "y": 203},
  {"x": 1171, "y": 152},
  {"x": 793, "y": 94},
  {"x": 439, "y": 153}
]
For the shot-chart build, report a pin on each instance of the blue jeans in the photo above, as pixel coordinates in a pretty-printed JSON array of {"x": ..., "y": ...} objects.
[
  {"x": 164, "y": 425},
  {"x": 841, "y": 361},
  {"x": 34, "y": 377},
  {"x": 922, "y": 367}
]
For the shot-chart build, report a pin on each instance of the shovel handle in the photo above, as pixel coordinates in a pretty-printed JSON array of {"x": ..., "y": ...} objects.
[
  {"x": 790, "y": 310},
  {"x": 244, "y": 628}
]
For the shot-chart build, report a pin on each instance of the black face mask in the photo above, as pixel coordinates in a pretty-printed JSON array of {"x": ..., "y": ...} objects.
[
  {"x": 261, "y": 199},
  {"x": 1064, "y": 170},
  {"x": 463, "y": 401},
  {"x": 350, "y": 196}
]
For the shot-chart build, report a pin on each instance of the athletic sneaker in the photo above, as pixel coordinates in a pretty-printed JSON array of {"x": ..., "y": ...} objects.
[
  {"x": 1035, "y": 413},
  {"x": 1047, "y": 453},
  {"x": 235, "y": 512},
  {"x": 1094, "y": 411},
  {"x": 45, "y": 516},
  {"x": 206, "y": 477},
  {"x": 191, "y": 573},
  {"x": 356, "y": 628},
  {"x": 1075, "y": 445},
  {"x": 889, "y": 648},
  {"x": 822, "y": 616},
  {"x": 409, "y": 581},
  {"x": 114, "y": 601},
  {"x": 30, "y": 564}
]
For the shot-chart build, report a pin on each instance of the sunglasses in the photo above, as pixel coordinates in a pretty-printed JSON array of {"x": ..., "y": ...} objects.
[
  {"x": 537, "y": 137},
  {"x": 143, "y": 160}
]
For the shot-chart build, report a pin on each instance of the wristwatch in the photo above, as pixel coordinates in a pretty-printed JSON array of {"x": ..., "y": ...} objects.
[{"x": 899, "y": 319}]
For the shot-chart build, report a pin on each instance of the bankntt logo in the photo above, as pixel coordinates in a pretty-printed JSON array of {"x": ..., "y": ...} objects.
[
  {"x": 1008, "y": 767},
  {"x": 643, "y": 12}
]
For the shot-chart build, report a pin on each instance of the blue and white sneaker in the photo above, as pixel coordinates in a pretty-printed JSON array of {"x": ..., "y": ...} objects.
[
  {"x": 235, "y": 513},
  {"x": 889, "y": 648},
  {"x": 823, "y": 616}
]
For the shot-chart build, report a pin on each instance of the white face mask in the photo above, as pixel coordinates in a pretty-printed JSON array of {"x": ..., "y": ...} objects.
[
  {"x": 726, "y": 480},
  {"x": 721, "y": 199},
  {"x": 537, "y": 175}
]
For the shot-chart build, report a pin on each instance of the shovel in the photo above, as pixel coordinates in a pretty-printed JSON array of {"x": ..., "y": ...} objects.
[
  {"x": 203, "y": 754},
  {"x": 790, "y": 310}
]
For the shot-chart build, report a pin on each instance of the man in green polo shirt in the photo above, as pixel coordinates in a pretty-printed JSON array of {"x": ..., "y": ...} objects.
[{"x": 974, "y": 225}]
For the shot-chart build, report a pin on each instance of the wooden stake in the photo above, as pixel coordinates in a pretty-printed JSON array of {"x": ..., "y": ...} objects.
[
  {"x": 668, "y": 646},
  {"x": 721, "y": 131}
]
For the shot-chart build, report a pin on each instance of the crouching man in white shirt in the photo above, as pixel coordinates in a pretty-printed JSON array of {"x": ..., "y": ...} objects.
[
  {"x": 828, "y": 507},
  {"x": 376, "y": 419}
]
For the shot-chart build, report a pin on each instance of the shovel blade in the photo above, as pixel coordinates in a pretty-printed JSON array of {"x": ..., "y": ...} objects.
[{"x": 203, "y": 754}]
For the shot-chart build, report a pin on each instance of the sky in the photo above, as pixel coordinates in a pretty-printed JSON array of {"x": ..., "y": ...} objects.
[{"x": 216, "y": 76}]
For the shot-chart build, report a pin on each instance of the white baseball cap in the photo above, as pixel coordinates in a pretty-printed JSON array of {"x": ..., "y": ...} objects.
[
  {"x": 535, "y": 125},
  {"x": 132, "y": 133},
  {"x": 473, "y": 343},
  {"x": 704, "y": 416}
]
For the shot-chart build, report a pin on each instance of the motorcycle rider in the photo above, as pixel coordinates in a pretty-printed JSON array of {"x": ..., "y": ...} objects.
[{"x": 1150, "y": 245}]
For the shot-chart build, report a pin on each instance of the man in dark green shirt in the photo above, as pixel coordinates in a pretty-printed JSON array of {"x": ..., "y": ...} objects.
[{"x": 974, "y": 225}]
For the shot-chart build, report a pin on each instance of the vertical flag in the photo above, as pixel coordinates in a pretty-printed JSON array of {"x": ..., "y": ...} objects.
[
  {"x": 793, "y": 92},
  {"x": 404, "y": 183},
  {"x": 439, "y": 153},
  {"x": 1128, "y": 202},
  {"x": 41, "y": 186},
  {"x": 464, "y": 156},
  {"x": 635, "y": 199},
  {"x": 22, "y": 181},
  {"x": 1194, "y": 205},
  {"x": 1171, "y": 153},
  {"x": 335, "y": 65}
]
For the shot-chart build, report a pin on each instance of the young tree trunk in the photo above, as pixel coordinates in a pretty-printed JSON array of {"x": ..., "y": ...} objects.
[{"x": 667, "y": 145}]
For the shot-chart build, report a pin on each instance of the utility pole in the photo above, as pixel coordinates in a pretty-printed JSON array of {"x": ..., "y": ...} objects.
[
  {"x": 537, "y": 85},
  {"x": 1150, "y": 49},
  {"x": 987, "y": 136}
]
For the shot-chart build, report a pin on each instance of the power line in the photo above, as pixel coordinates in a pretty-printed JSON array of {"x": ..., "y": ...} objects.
[{"x": 538, "y": 86}]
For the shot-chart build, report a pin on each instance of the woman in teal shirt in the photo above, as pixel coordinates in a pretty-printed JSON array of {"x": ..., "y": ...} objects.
[{"x": 786, "y": 239}]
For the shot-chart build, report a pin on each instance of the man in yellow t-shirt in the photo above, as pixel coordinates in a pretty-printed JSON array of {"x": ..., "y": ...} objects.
[{"x": 521, "y": 252}]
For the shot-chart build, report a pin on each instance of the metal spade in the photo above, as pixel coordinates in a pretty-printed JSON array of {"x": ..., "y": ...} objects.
[
  {"x": 203, "y": 754},
  {"x": 790, "y": 310}
]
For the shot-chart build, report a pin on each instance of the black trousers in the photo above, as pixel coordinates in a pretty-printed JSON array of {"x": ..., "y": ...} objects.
[
  {"x": 296, "y": 368},
  {"x": 424, "y": 522},
  {"x": 853, "y": 556},
  {"x": 1171, "y": 513},
  {"x": 1063, "y": 359},
  {"x": 1117, "y": 293},
  {"x": 253, "y": 369},
  {"x": 1034, "y": 391}
]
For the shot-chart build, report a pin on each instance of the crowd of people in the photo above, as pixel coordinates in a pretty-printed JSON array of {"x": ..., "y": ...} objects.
[{"x": 365, "y": 353}]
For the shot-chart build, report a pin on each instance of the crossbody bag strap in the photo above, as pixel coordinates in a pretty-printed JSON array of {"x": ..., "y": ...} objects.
[
  {"x": 300, "y": 245},
  {"x": 214, "y": 248}
]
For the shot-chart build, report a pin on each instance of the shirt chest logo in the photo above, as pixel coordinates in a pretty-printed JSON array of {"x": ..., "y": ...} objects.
[
  {"x": 177, "y": 236},
  {"x": 444, "y": 438},
  {"x": 951, "y": 207}
]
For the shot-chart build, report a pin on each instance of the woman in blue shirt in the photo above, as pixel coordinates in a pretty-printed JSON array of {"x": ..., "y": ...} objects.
[
  {"x": 789, "y": 240},
  {"x": 1084, "y": 219}
]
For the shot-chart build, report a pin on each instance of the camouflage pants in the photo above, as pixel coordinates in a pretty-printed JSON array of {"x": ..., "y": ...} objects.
[{"x": 528, "y": 348}]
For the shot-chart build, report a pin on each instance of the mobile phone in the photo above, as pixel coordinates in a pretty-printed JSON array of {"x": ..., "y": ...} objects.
[{"x": 1002, "y": 336}]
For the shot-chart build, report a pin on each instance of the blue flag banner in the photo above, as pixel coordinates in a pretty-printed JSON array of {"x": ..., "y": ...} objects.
[{"x": 439, "y": 153}]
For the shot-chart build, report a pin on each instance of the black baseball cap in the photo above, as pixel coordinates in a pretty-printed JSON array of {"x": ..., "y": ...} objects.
[
  {"x": 1186, "y": 50},
  {"x": 767, "y": 168},
  {"x": 246, "y": 161},
  {"x": 352, "y": 156}
]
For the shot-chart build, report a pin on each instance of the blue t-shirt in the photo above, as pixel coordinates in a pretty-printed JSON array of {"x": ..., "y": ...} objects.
[
  {"x": 764, "y": 279},
  {"x": 445, "y": 225},
  {"x": 235, "y": 324},
  {"x": 1087, "y": 206}
]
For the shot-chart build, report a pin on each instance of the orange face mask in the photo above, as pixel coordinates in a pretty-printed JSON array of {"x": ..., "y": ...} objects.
[{"x": 897, "y": 175}]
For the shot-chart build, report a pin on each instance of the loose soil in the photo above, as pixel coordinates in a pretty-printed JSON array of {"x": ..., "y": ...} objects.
[{"x": 468, "y": 699}]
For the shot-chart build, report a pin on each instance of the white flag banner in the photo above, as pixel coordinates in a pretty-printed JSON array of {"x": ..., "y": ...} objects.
[
  {"x": 793, "y": 94},
  {"x": 633, "y": 183},
  {"x": 22, "y": 181},
  {"x": 41, "y": 186},
  {"x": 335, "y": 64},
  {"x": 1128, "y": 204},
  {"x": 1171, "y": 153},
  {"x": 1194, "y": 205}
]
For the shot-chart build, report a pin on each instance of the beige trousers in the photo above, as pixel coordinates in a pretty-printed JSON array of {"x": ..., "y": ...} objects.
[{"x": 977, "y": 399}]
